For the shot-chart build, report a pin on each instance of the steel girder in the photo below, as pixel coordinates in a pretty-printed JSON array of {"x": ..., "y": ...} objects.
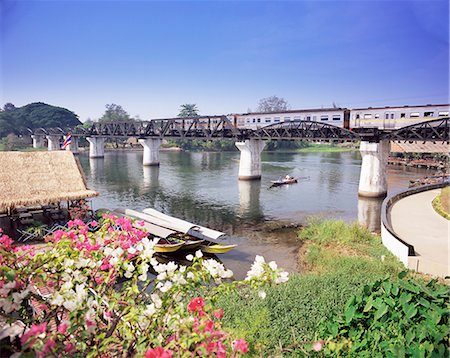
[
  {"x": 197, "y": 127},
  {"x": 305, "y": 130},
  {"x": 436, "y": 131}
]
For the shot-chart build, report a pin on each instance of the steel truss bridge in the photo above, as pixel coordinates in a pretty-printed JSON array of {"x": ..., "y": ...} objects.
[{"x": 220, "y": 127}]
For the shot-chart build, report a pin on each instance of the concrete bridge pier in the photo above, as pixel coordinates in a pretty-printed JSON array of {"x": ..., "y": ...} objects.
[
  {"x": 373, "y": 177},
  {"x": 250, "y": 161},
  {"x": 38, "y": 141},
  {"x": 73, "y": 146},
  {"x": 151, "y": 150},
  {"x": 53, "y": 142},
  {"x": 96, "y": 147}
]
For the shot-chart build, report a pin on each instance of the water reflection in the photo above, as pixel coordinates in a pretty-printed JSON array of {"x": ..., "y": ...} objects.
[
  {"x": 97, "y": 168},
  {"x": 369, "y": 213},
  {"x": 151, "y": 176},
  {"x": 249, "y": 203}
]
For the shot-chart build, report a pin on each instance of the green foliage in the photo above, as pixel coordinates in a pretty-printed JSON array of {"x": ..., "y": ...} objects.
[
  {"x": 35, "y": 115},
  {"x": 188, "y": 110},
  {"x": 441, "y": 203},
  {"x": 334, "y": 245},
  {"x": 115, "y": 113},
  {"x": 404, "y": 317},
  {"x": 196, "y": 144}
]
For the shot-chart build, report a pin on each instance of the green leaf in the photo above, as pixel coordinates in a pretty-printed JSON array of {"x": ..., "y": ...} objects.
[
  {"x": 410, "y": 310},
  {"x": 349, "y": 314},
  {"x": 405, "y": 298},
  {"x": 381, "y": 311}
]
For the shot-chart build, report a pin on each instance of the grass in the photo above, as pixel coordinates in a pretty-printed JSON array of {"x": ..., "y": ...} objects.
[
  {"x": 339, "y": 260},
  {"x": 442, "y": 203},
  {"x": 315, "y": 148}
]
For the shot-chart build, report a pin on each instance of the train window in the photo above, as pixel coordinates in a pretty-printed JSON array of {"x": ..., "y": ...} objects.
[
  {"x": 377, "y": 115},
  {"x": 277, "y": 119},
  {"x": 443, "y": 114},
  {"x": 254, "y": 120},
  {"x": 308, "y": 118},
  {"x": 268, "y": 120},
  {"x": 336, "y": 117},
  {"x": 386, "y": 116},
  {"x": 248, "y": 120},
  {"x": 324, "y": 118},
  {"x": 297, "y": 118},
  {"x": 314, "y": 118},
  {"x": 402, "y": 115},
  {"x": 368, "y": 116},
  {"x": 414, "y": 115},
  {"x": 392, "y": 115},
  {"x": 287, "y": 119},
  {"x": 357, "y": 116},
  {"x": 259, "y": 120},
  {"x": 428, "y": 114}
]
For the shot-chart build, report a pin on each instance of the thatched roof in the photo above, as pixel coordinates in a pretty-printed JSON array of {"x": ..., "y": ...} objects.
[{"x": 40, "y": 178}]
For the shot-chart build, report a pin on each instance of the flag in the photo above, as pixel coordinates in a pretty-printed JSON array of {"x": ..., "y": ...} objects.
[{"x": 67, "y": 141}]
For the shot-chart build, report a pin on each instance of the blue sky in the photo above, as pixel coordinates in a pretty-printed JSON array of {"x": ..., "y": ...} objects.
[{"x": 152, "y": 56}]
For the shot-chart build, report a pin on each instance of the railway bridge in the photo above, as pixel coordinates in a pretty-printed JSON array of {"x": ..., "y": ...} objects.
[{"x": 374, "y": 143}]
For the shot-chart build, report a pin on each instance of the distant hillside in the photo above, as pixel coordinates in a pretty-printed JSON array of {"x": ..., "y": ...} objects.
[{"x": 35, "y": 115}]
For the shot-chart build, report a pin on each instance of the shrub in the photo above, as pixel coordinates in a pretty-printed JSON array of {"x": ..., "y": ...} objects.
[
  {"x": 404, "y": 317},
  {"x": 90, "y": 294}
]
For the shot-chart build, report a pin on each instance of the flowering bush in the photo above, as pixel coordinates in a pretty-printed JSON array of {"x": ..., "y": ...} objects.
[{"x": 103, "y": 293}]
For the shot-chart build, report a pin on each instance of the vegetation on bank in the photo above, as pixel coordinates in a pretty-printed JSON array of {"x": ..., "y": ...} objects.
[
  {"x": 340, "y": 261},
  {"x": 314, "y": 147},
  {"x": 34, "y": 115},
  {"x": 441, "y": 203}
]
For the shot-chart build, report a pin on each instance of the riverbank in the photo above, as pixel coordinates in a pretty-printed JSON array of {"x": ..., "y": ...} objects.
[{"x": 338, "y": 261}]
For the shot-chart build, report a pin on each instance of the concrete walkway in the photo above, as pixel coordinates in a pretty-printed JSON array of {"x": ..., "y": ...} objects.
[{"x": 414, "y": 220}]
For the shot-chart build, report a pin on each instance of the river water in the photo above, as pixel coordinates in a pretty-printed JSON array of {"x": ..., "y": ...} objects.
[{"x": 202, "y": 187}]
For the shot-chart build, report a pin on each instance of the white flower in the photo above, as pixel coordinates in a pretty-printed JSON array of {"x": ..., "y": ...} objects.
[
  {"x": 150, "y": 310},
  {"x": 57, "y": 299},
  {"x": 171, "y": 267},
  {"x": 282, "y": 277},
  {"x": 165, "y": 287},
  {"x": 131, "y": 250},
  {"x": 198, "y": 254},
  {"x": 190, "y": 257},
  {"x": 262, "y": 294},
  {"x": 156, "y": 300},
  {"x": 143, "y": 277},
  {"x": 273, "y": 265},
  {"x": 259, "y": 259},
  {"x": 190, "y": 275},
  {"x": 70, "y": 305}
]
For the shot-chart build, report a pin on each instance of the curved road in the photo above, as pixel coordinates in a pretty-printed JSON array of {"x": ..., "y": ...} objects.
[{"x": 414, "y": 220}]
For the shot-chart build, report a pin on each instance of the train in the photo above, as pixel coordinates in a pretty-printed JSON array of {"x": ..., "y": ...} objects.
[{"x": 386, "y": 118}]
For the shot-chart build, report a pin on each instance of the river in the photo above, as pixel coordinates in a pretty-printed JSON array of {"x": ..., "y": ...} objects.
[{"x": 202, "y": 187}]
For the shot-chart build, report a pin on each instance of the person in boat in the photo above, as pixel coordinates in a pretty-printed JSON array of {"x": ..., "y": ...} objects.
[{"x": 288, "y": 177}]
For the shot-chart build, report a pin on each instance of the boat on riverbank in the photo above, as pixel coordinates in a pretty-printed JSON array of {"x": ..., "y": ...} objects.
[{"x": 177, "y": 235}]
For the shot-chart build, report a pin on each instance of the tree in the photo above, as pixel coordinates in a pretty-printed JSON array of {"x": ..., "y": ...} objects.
[
  {"x": 272, "y": 104},
  {"x": 188, "y": 110},
  {"x": 115, "y": 113},
  {"x": 9, "y": 107}
]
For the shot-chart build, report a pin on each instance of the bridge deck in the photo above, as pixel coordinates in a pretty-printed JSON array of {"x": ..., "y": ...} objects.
[{"x": 416, "y": 222}]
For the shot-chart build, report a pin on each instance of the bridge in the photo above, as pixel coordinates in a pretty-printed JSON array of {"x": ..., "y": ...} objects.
[{"x": 374, "y": 143}]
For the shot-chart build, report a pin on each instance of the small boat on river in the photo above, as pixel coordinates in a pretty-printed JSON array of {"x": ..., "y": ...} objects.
[
  {"x": 286, "y": 180},
  {"x": 214, "y": 248}
]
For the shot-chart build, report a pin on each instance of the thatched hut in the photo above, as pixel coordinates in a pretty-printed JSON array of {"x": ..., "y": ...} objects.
[{"x": 40, "y": 178}]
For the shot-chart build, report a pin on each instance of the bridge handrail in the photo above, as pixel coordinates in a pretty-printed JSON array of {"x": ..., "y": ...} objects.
[{"x": 392, "y": 199}]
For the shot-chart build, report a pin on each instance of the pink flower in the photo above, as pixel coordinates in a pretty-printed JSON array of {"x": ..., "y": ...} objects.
[
  {"x": 317, "y": 346},
  {"x": 209, "y": 326},
  {"x": 240, "y": 345},
  {"x": 62, "y": 328},
  {"x": 141, "y": 223},
  {"x": 69, "y": 348},
  {"x": 158, "y": 352},
  {"x": 196, "y": 304},
  {"x": 98, "y": 280},
  {"x": 221, "y": 350},
  {"x": 218, "y": 313},
  {"x": 34, "y": 331},
  {"x": 94, "y": 223}
]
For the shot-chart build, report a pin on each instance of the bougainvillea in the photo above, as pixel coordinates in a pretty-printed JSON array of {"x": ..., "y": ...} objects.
[{"x": 98, "y": 289}]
